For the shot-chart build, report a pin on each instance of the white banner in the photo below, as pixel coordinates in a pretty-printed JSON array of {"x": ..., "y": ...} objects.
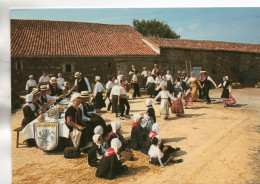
[{"x": 46, "y": 135}]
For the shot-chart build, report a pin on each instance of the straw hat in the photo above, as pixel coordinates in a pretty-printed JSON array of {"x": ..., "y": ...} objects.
[
  {"x": 84, "y": 94},
  {"x": 43, "y": 87},
  {"x": 35, "y": 91},
  {"x": 53, "y": 80},
  {"x": 77, "y": 74}
]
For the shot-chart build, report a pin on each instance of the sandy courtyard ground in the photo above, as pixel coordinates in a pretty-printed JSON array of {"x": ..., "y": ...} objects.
[{"x": 219, "y": 145}]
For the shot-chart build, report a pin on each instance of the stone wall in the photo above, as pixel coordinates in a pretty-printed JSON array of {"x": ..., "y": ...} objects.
[
  {"x": 240, "y": 67},
  {"x": 22, "y": 67}
]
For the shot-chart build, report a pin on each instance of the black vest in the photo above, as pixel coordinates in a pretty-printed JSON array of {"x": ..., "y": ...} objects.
[
  {"x": 54, "y": 92},
  {"x": 207, "y": 83},
  {"x": 82, "y": 86},
  {"x": 75, "y": 116}
]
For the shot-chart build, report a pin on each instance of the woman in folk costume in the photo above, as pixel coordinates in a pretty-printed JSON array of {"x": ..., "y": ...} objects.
[
  {"x": 177, "y": 106},
  {"x": 89, "y": 116},
  {"x": 96, "y": 151},
  {"x": 116, "y": 133},
  {"x": 158, "y": 81},
  {"x": 97, "y": 94},
  {"x": 30, "y": 84},
  {"x": 114, "y": 96},
  {"x": 111, "y": 165},
  {"x": 155, "y": 131},
  {"x": 149, "y": 116},
  {"x": 169, "y": 81},
  {"x": 138, "y": 133},
  {"x": 158, "y": 157},
  {"x": 194, "y": 84},
  {"x": 73, "y": 117},
  {"x": 150, "y": 84},
  {"x": 226, "y": 93},
  {"x": 187, "y": 95},
  {"x": 164, "y": 107}
]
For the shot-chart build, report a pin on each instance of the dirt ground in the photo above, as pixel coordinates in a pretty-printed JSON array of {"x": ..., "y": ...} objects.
[{"x": 219, "y": 145}]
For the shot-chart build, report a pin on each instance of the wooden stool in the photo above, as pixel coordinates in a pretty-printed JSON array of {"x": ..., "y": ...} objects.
[{"x": 17, "y": 138}]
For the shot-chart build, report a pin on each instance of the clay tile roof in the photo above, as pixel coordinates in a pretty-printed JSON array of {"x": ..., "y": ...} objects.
[
  {"x": 204, "y": 45},
  {"x": 63, "y": 38}
]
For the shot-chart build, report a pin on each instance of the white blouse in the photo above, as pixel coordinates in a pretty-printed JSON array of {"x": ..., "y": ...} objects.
[
  {"x": 61, "y": 81},
  {"x": 169, "y": 77},
  {"x": 115, "y": 91},
  {"x": 150, "y": 80},
  {"x": 158, "y": 80},
  {"x": 30, "y": 83},
  {"x": 224, "y": 83},
  {"x": 109, "y": 85},
  {"x": 161, "y": 84},
  {"x": 98, "y": 88},
  {"x": 134, "y": 78},
  {"x": 164, "y": 95},
  {"x": 155, "y": 152},
  {"x": 44, "y": 79},
  {"x": 144, "y": 73}
]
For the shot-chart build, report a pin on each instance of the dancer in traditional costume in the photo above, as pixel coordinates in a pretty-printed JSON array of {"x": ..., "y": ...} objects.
[
  {"x": 97, "y": 151},
  {"x": 98, "y": 94},
  {"x": 145, "y": 75},
  {"x": 123, "y": 102},
  {"x": 155, "y": 70},
  {"x": 177, "y": 106},
  {"x": 110, "y": 84},
  {"x": 194, "y": 84},
  {"x": 169, "y": 81},
  {"x": 135, "y": 85},
  {"x": 132, "y": 71},
  {"x": 119, "y": 76},
  {"x": 187, "y": 95},
  {"x": 178, "y": 77},
  {"x": 201, "y": 96},
  {"x": 158, "y": 157},
  {"x": 150, "y": 84},
  {"x": 81, "y": 83},
  {"x": 206, "y": 86},
  {"x": 184, "y": 79},
  {"x": 228, "y": 99},
  {"x": 149, "y": 116},
  {"x": 115, "y": 133},
  {"x": 115, "y": 96},
  {"x": 110, "y": 165},
  {"x": 158, "y": 81},
  {"x": 164, "y": 107},
  {"x": 30, "y": 84},
  {"x": 138, "y": 134}
]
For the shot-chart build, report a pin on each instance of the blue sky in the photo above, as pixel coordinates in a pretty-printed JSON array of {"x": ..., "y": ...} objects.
[{"x": 221, "y": 24}]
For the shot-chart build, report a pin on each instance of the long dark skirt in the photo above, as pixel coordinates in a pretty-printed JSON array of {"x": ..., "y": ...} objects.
[
  {"x": 150, "y": 89},
  {"x": 99, "y": 101},
  {"x": 169, "y": 86},
  {"x": 225, "y": 93}
]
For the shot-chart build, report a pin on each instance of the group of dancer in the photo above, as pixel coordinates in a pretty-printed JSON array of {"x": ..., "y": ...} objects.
[{"x": 82, "y": 114}]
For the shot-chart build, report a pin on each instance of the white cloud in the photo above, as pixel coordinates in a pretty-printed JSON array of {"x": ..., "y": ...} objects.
[
  {"x": 194, "y": 26},
  {"x": 179, "y": 29}
]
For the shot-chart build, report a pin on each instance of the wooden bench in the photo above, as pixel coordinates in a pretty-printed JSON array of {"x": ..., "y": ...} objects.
[{"x": 17, "y": 130}]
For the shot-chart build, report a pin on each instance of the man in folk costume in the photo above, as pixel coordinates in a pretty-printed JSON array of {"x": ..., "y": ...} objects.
[
  {"x": 135, "y": 85},
  {"x": 201, "y": 96},
  {"x": 114, "y": 96},
  {"x": 30, "y": 84},
  {"x": 158, "y": 81},
  {"x": 46, "y": 100},
  {"x": 150, "y": 83},
  {"x": 184, "y": 79},
  {"x": 132, "y": 71},
  {"x": 122, "y": 101},
  {"x": 178, "y": 77},
  {"x": 98, "y": 94},
  {"x": 164, "y": 107},
  {"x": 145, "y": 75},
  {"x": 89, "y": 115},
  {"x": 81, "y": 83},
  {"x": 226, "y": 93},
  {"x": 206, "y": 86},
  {"x": 56, "y": 88},
  {"x": 44, "y": 79},
  {"x": 169, "y": 81},
  {"x": 110, "y": 84},
  {"x": 73, "y": 117},
  {"x": 155, "y": 70}
]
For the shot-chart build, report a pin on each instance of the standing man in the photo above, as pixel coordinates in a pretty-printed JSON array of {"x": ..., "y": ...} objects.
[
  {"x": 109, "y": 87},
  {"x": 201, "y": 96},
  {"x": 30, "y": 84},
  {"x": 60, "y": 79},
  {"x": 145, "y": 75},
  {"x": 114, "y": 97},
  {"x": 184, "y": 79},
  {"x": 122, "y": 101},
  {"x": 44, "y": 79},
  {"x": 132, "y": 71},
  {"x": 81, "y": 83},
  {"x": 155, "y": 70},
  {"x": 206, "y": 87}
]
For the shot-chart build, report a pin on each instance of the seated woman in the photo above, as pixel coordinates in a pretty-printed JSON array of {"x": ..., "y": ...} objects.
[
  {"x": 138, "y": 134},
  {"x": 73, "y": 117},
  {"x": 115, "y": 133},
  {"x": 110, "y": 165},
  {"x": 149, "y": 116},
  {"x": 158, "y": 157},
  {"x": 155, "y": 131},
  {"x": 97, "y": 151}
]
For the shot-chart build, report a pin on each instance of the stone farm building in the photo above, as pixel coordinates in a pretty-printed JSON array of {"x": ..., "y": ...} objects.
[{"x": 103, "y": 49}]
